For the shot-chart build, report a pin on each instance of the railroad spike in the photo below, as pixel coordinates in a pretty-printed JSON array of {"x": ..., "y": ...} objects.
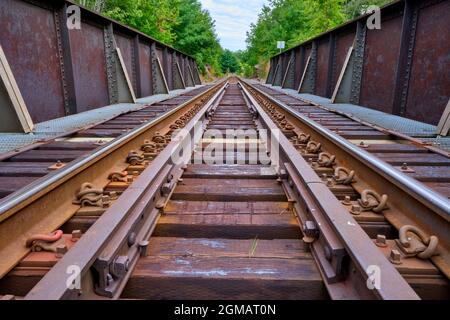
[
  {"x": 344, "y": 176},
  {"x": 372, "y": 201},
  {"x": 414, "y": 242},
  {"x": 88, "y": 196}
]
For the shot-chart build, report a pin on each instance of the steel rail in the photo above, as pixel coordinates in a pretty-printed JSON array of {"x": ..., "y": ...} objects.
[
  {"x": 339, "y": 222},
  {"x": 21, "y": 198},
  {"x": 419, "y": 191},
  {"x": 107, "y": 238},
  {"x": 403, "y": 136}
]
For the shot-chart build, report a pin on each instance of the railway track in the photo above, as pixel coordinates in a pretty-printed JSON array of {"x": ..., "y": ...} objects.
[
  {"x": 248, "y": 201},
  {"x": 35, "y": 161},
  {"x": 33, "y": 177}
]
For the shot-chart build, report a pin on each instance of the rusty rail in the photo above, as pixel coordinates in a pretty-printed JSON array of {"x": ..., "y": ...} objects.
[
  {"x": 135, "y": 216},
  {"x": 418, "y": 204},
  {"x": 345, "y": 254},
  {"x": 339, "y": 232},
  {"x": 35, "y": 201}
]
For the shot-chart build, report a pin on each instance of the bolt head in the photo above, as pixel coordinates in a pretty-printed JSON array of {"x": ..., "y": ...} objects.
[
  {"x": 131, "y": 239},
  {"x": 381, "y": 241},
  {"x": 347, "y": 201},
  {"x": 76, "y": 235},
  {"x": 61, "y": 250},
  {"x": 330, "y": 182},
  {"x": 310, "y": 229},
  {"x": 109, "y": 279},
  {"x": 144, "y": 243},
  {"x": 395, "y": 257},
  {"x": 356, "y": 210}
]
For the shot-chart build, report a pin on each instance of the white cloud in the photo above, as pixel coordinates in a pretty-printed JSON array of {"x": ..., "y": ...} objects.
[{"x": 233, "y": 19}]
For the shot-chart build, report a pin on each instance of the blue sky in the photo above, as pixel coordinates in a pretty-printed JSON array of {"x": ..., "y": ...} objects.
[{"x": 233, "y": 18}]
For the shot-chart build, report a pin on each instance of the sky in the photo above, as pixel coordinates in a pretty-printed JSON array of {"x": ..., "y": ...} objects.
[{"x": 233, "y": 18}]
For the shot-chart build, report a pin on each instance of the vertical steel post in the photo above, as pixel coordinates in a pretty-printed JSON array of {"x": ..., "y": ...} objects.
[
  {"x": 403, "y": 72},
  {"x": 65, "y": 59},
  {"x": 137, "y": 65}
]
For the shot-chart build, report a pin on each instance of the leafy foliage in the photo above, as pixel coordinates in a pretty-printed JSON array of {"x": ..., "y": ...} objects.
[
  {"x": 195, "y": 34},
  {"x": 295, "y": 21},
  {"x": 187, "y": 27},
  {"x": 229, "y": 62}
]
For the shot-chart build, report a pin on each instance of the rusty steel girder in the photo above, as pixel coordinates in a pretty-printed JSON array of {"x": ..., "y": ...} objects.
[
  {"x": 62, "y": 71},
  {"x": 399, "y": 69}
]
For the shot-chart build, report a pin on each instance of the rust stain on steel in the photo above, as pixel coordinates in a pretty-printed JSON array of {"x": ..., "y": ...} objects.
[
  {"x": 307, "y": 53},
  {"x": 88, "y": 54},
  {"x": 380, "y": 63},
  {"x": 29, "y": 40},
  {"x": 125, "y": 45},
  {"x": 322, "y": 67},
  {"x": 170, "y": 74},
  {"x": 159, "y": 52},
  {"x": 146, "y": 70},
  {"x": 429, "y": 89},
  {"x": 343, "y": 42},
  {"x": 422, "y": 83},
  {"x": 298, "y": 66}
]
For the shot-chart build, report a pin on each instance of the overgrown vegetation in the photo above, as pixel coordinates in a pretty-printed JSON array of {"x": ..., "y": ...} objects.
[{"x": 184, "y": 25}]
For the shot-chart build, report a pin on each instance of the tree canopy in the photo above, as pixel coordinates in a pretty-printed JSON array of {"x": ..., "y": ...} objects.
[
  {"x": 185, "y": 25},
  {"x": 295, "y": 21},
  {"x": 229, "y": 62}
]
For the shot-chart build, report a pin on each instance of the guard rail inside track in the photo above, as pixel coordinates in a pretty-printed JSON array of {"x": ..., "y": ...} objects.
[{"x": 231, "y": 191}]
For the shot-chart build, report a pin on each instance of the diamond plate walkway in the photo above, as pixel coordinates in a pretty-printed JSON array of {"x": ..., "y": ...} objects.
[
  {"x": 57, "y": 127},
  {"x": 416, "y": 129}
]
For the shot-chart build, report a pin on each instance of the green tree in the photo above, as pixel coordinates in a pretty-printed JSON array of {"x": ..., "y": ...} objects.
[
  {"x": 229, "y": 62},
  {"x": 153, "y": 17},
  {"x": 195, "y": 34},
  {"x": 295, "y": 21}
]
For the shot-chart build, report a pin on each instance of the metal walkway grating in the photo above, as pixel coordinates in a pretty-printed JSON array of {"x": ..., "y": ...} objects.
[
  {"x": 53, "y": 128},
  {"x": 423, "y": 131}
]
